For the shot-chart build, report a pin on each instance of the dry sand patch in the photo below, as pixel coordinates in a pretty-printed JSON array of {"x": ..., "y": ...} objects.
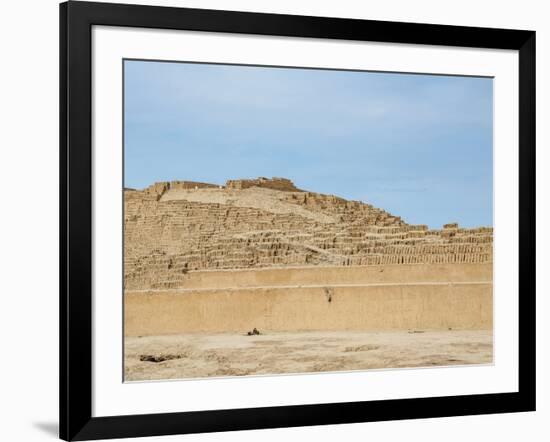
[{"x": 229, "y": 354}]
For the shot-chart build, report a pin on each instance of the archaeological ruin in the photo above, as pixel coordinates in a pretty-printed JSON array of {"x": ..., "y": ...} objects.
[{"x": 263, "y": 253}]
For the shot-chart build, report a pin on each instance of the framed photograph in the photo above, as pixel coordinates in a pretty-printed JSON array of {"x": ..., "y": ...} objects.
[{"x": 273, "y": 220}]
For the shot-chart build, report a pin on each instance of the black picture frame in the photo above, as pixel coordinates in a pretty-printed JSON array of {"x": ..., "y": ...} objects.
[{"x": 76, "y": 21}]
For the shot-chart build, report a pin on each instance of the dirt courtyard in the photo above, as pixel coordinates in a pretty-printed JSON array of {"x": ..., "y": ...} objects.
[{"x": 229, "y": 354}]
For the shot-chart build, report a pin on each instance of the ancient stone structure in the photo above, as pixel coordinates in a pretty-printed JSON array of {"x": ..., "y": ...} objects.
[
  {"x": 402, "y": 297},
  {"x": 267, "y": 183},
  {"x": 172, "y": 228}
]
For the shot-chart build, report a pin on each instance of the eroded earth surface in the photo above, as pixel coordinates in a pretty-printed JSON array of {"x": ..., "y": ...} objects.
[{"x": 231, "y": 354}]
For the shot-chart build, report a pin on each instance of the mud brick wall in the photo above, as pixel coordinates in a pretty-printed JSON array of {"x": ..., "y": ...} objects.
[
  {"x": 282, "y": 184},
  {"x": 265, "y": 223},
  {"x": 441, "y": 296}
]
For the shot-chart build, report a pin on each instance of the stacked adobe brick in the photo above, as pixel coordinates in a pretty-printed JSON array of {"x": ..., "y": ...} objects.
[{"x": 165, "y": 239}]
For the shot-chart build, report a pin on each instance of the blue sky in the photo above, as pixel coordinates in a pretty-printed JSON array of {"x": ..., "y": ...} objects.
[{"x": 418, "y": 146}]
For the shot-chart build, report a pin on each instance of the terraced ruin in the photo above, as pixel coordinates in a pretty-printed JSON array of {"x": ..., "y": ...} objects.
[
  {"x": 258, "y": 277},
  {"x": 172, "y": 228}
]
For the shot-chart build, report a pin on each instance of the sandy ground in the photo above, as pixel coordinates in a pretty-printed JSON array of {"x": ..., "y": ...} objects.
[{"x": 224, "y": 354}]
